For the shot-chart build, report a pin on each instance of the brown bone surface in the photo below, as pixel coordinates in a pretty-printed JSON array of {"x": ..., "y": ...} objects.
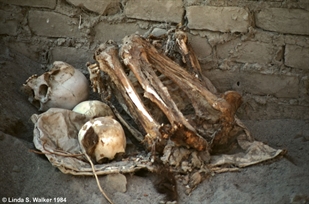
[
  {"x": 148, "y": 64},
  {"x": 107, "y": 56}
]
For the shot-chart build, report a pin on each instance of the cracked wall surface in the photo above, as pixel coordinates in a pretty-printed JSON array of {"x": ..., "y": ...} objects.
[{"x": 259, "y": 48}]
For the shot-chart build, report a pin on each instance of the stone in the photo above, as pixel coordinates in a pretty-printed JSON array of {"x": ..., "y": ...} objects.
[
  {"x": 158, "y": 32},
  {"x": 106, "y": 7},
  {"x": 299, "y": 40},
  {"x": 214, "y": 38},
  {"x": 292, "y": 21},
  {"x": 8, "y": 25},
  {"x": 116, "y": 182},
  {"x": 105, "y": 31},
  {"x": 281, "y": 86},
  {"x": 248, "y": 51},
  {"x": 155, "y": 10},
  {"x": 75, "y": 57},
  {"x": 223, "y": 19},
  {"x": 296, "y": 57},
  {"x": 200, "y": 46},
  {"x": 51, "y": 24},
  {"x": 33, "y": 3}
]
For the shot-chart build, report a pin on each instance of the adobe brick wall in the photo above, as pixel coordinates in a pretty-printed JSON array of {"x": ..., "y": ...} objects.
[{"x": 259, "y": 48}]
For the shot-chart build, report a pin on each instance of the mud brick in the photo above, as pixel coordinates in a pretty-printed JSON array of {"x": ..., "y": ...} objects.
[
  {"x": 223, "y": 19},
  {"x": 50, "y": 24},
  {"x": 259, "y": 84},
  {"x": 155, "y": 10},
  {"x": 293, "y": 21},
  {"x": 33, "y": 3},
  {"x": 297, "y": 57},
  {"x": 98, "y": 6}
]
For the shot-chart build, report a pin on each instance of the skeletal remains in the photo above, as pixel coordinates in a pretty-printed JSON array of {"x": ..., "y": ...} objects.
[
  {"x": 93, "y": 109},
  {"x": 201, "y": 119},
  {"x": 102, "y": 138},
  {"x": 62, "y": 87},
  {"x": 184, "y": 124}
]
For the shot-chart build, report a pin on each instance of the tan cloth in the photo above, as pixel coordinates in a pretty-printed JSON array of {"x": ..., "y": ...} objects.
[{"x": 56, "y": 131}]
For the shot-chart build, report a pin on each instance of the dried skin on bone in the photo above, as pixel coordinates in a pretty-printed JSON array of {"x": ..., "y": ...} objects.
[
  {"x": 145, "y": 61},
  {"x": 107, "y": 56}
]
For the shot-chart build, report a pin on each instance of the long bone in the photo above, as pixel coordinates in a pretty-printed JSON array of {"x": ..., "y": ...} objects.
[
  {"x": 207, "y": 105},
  {"x": 181, "y": 130},
  {"x": 107, "y": 56}
]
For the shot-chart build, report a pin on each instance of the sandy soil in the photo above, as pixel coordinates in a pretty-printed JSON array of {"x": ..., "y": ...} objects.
[{"x": 25, "y": 175}]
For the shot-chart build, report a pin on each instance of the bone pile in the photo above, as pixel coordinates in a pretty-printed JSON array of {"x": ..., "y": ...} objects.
[
  {"x": 174, "y": 110},
  {"x": 168, "y": 100}
]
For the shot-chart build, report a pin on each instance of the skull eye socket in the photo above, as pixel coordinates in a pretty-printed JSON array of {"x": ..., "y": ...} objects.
[
  {"x": 34, "y": 101},
  {"x": 43, "y": 89}
]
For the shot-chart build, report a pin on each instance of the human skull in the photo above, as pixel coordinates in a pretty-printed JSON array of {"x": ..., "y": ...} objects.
[
  {"x": 102, "y": 139},
  {"x": 62, "y": 87},
  {"x": 93, "y": 109}
]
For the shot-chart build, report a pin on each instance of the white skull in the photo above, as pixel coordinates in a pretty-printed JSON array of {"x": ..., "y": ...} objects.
[
  {"x": 102, "y": 138},
  {"x": 62, "y": 87},
  {"x": 93, "y": 109}
]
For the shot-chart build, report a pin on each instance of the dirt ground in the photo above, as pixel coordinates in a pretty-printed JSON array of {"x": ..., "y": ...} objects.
[{"x": 26, "y": 175}]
